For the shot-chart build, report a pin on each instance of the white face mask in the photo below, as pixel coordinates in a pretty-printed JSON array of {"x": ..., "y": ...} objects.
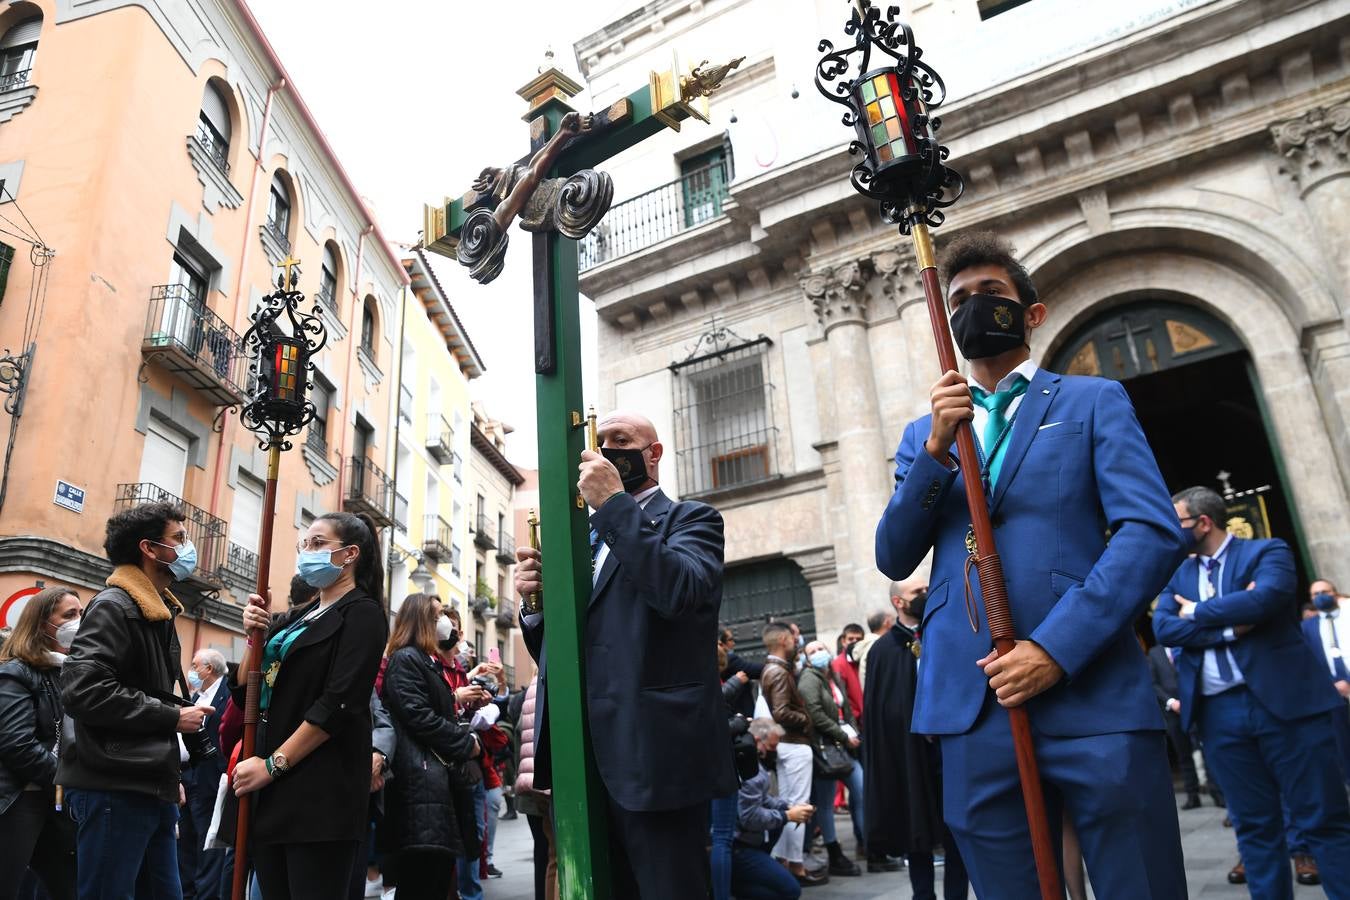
[
  {"x": 444, "y": 628},
  {"x": 65, "y": 634}
]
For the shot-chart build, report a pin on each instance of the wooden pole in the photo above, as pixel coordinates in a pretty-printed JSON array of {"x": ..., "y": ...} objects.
[
  {"x": 992, "y": 584},
  {"x": 252, "y": 670}
]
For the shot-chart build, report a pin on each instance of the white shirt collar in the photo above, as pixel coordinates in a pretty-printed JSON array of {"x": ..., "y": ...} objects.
[
  {"x": 643, "y": 496},
  {"x": 1218, "y": 554},
  {"x": 1027, "y": 370}
]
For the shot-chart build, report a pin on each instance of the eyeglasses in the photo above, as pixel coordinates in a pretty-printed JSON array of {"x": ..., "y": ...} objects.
[
  {"x": 1184, "y": 519},
  {"x": 314, "y": 544}
]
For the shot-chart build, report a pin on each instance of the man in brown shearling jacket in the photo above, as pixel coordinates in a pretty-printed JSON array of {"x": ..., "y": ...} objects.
[{"x": 795, "y": 759}]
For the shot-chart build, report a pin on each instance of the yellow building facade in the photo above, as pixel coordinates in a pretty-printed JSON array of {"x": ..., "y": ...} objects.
[{"x": 159, "y": 164}]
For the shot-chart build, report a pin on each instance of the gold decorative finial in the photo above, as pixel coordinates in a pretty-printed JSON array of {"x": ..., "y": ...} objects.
[
  {"x": 702, "y": 80},
  {"x": 290, "y": 262}
]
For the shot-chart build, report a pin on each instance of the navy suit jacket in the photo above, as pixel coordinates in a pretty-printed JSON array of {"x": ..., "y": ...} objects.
[
  {"x": 658, "y": 725},
  {"x": 1077, "y": 464},
  {"x": 1276, "y": 662},
  {"x": 1312, "y": 633},
  {"x": 208, "y": 776}
]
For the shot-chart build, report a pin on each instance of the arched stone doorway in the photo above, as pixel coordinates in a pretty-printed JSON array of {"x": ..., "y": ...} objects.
[
  {"x": 759, "y": 592},
  {"x": 1195, "y": 391}
]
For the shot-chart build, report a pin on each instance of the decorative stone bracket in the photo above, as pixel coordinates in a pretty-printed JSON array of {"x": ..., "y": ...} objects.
[
  {"x": 838, "y": 294},
  {"x": 1315, "y": 146}
]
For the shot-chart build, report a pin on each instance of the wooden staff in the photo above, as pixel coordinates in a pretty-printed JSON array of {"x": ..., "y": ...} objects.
[
  {"x": 990, "y": 569},
  {"x": 251, "y": 670}
]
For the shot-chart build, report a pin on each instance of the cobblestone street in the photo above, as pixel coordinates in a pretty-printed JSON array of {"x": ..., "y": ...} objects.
[{"x": 1210, "y": 853}]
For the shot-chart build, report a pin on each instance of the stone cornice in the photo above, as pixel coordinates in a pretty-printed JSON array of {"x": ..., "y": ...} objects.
[{"x": 1314, "y": 147}]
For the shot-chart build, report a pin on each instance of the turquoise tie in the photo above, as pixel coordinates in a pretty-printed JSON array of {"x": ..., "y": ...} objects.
[{"x": 997, "y": 404}]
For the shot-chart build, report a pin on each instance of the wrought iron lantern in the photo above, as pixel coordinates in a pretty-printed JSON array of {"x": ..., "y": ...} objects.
[
  {"x": 890, "y": 109},
  {"x": 281, "y": 344}
]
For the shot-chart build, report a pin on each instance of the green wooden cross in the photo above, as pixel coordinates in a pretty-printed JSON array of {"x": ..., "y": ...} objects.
[{"x": 557, "y": 198}]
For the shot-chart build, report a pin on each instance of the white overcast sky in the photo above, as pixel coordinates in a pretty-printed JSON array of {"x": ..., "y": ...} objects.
[{"x": 417, "y": 96}]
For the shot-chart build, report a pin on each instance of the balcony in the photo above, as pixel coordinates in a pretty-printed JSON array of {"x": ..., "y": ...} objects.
[
  {"x": 436, "y": 539},
  {"x": 405, "y": 404},
  {"x": 506, "y": 549},
  {"x": 647, "y": 219},
  {"x": 369, "y": 491},
  {"x": 240, "y": 568},
  {"x": 506, "y": 614},
  {"x": 215, "y": 151},
  {"x": 327, "y": 297},
  {"x": 440, "y": 439},
  {"x": 479, "y": 604},
  {"x": 400, "y": 512},
  {"x": 482, "y": 537},
  {"x": 14, "y": 80},
  {"x": 184, "y": 337},
  {"x": 206, "y": 531},
  {"x": 277, "y": 232}
]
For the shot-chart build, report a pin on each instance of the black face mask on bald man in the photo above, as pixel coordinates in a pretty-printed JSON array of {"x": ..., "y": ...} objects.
[{"x": 631, "y": 464}]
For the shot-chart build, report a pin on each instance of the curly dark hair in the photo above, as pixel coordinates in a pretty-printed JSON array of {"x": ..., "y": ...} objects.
[
  {"x": 145, "y": 522},
  {"x": 985, "y": 248}
]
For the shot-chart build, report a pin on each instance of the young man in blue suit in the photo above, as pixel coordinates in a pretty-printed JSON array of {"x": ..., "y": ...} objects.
[
  {"x": 1260, "y": 697},
  {"x": 1064, "y": 463},
  {"x": 658, "y": 726}
]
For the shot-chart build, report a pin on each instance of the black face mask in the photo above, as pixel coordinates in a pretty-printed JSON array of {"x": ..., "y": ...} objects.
[
  {"x": 916, "y": 606},
  {"x": 450, "y": 642},
  {"x": 985, "y": 325},
  {"x": 631, "y": 464}
]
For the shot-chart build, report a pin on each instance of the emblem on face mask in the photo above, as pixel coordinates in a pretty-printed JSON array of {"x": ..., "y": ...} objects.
[
  {"x": 623, "y": 465},
  {"x": 1003, "y": 317}
]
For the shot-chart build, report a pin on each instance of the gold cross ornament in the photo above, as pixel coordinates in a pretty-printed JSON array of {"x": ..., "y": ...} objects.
[{"x": 287, "y": 264}]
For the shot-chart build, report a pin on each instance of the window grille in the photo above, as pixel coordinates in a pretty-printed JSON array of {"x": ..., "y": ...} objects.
[{"x": 724, "y": 431}]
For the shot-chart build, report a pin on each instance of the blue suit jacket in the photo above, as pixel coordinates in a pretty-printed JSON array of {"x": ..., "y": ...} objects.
[
  {"x": 1312, "y": 633},
  {"x": 1275, "y": 660},
  {"x": 653, "y": 699},
  {"x": 1077, "y": 465}
]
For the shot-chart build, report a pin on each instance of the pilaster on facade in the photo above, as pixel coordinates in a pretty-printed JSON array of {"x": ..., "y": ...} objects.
[{"x": 1314, "y": 147}]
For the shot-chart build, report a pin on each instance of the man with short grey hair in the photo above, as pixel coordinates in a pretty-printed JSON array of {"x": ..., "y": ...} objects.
[
  {"x": 201, "y": 780},
  {"x": 760, "y": 818},
  {"x": 881, "y": 621}
]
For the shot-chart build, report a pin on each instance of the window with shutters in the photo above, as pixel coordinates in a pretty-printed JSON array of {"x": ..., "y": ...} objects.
[
  {"x": 6, "y": 260},
  {"x": 328, "y": 278},
  {"x": 246, "y": 520},
  {"x": 368, "y": 323},
  {"x": 724, "y": 431},
  {"x": 17, "y": 49},
  {"x": 213, "y": 127},
  {"x": 279, "y": 210},
  {"x": 164, "y": 460},
  {"x": 322, "y": 398}
]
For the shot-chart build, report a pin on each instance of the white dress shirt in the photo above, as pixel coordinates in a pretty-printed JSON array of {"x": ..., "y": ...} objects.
[
  {"x": 1210, "y": 682},
  {"x": 1027, "y": 370},
  {"x": 1338, "y": 619}
]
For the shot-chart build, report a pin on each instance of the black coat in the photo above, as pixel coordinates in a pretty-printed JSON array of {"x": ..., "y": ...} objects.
[
  {"x": 658, "y": 725},
  {"x": 125, "y": 739},
  {"x": 1164, "y": 675},
  {"x": 30, "y": 717},
  {"x": 744, "y": 702},
  {"x": 325, "y": 680},
  {"x": 205, "y": 775},
  {"x": 903, "y": 790},
  {"x": 421, "y": 810}
]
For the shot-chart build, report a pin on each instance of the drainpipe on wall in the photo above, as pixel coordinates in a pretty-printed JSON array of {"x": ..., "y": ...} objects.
[
  {"x": 241, "y": 304},
  {"x": 398, "y": 426},
  {"x": 353, "y": 331}
]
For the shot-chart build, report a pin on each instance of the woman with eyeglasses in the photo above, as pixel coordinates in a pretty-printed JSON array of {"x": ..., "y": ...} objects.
[
  {"x": 311, "y": 775},
  {"x": 34, "y": 833}
]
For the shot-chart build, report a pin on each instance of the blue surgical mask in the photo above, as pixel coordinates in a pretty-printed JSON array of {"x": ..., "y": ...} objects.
[
  {"x": 1325, "y": 602},
  {"x": 820, "y": 659},
  {"x": 185, "y": 560},
  {"x": 194, "y": 681},
  {"x": 317, "y": 569}
]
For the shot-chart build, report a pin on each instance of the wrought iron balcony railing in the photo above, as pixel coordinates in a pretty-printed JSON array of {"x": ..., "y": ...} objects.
[
  {"x": 440, "y": 439},
  {"x": 240, "y": 567},
  {"x": 14, "y": 80},
  {"x": 687, "y": 202},
  {"x": 186, "y": 338},
  {"x": 369, "y": 491},
  {"x": 479, "y": 605},
  {"x": 506, "y": 613},
  {"x": 400, "y": 512},
  {"x": 315, "y": 440},
  {"x": 506, "y": 549},
  {"x": 277, "y": 231},
  {"x": 436, "y": 538},
  {"x": 482, "y": 537},
  {"x": 205, "y": 531},
  {"x": 213, "y": 148},
  {"x": 405, "y": 404},
  {"x": 328, "y": 297}
]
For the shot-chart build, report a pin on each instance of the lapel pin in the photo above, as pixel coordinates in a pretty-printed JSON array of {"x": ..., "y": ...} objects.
[{"x": 1045, "y": 390}]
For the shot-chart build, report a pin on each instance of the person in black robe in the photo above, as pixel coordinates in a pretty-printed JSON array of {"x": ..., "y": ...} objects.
[{"x": 903, "y": 789}]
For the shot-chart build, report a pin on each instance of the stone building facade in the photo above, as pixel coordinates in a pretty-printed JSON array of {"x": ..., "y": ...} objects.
[{"x": 1175, "y": 175}]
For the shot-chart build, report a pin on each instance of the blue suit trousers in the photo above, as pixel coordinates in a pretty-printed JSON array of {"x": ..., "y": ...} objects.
[
  {"x": 1259, "y": 761},
  {"x": 1116, "y": 788}
]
